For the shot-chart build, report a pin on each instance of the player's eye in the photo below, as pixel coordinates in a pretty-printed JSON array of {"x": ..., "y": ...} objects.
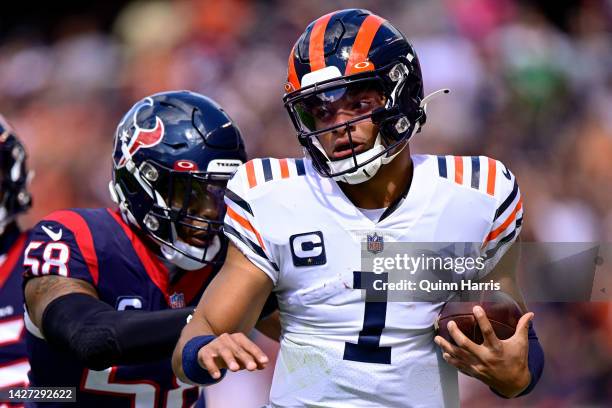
[
  {"x": 322, "y": 114},
  {"x": 362, "y": 105}
]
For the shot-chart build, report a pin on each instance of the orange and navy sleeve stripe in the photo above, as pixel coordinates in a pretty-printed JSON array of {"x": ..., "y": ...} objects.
[
  {"x": 490, "y": 177},
  {"x": 508, "y": 217},
  {"x": 240, "y": 227},
  {"x": 260, "y": 171},
  {"x": 477, "y": 172}
]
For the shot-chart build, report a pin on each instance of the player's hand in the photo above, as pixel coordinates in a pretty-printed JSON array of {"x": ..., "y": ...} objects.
[
  {"x": 234, "y": 351},
  {"x": 501, "y": 364}
]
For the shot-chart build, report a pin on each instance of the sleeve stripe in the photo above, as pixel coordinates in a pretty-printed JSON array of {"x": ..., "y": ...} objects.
[
  {"x": 284, "y": 168},
  {"x": 507, "y": 201},
  {"x": 267, "y": 169},
  {"x": 442, "y": 166},
  {"x": 299, "y": 165},
  {"x": 519, "y": 222},
  {"x": 496, "y": 232},
  {"x": 250, "y": 170},
  {"x": 84, "y": 240},
  {"x": 491, "y": 253},
  {"x": 240, "y": 202},
  {"x": 458, "y": 169},
  {"x": 475, "y": 172},
  {"x": 250, "y": 244},
  {"x": 244, "y": 223},
  {"x": 491, "y": 177}
]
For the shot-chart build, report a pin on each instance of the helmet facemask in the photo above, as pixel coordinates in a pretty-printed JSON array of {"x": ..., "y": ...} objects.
[
  {"x": 14, "y": 179},
  {"x": 355, "y": 97},
  {"x": 186, "y": 216},
  {"x": 188, "y": 221}
]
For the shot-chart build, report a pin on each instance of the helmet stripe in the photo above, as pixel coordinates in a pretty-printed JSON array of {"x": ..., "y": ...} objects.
[
  {"x": 292, "y": 77},
  {"x": 362, "y": 44},
  {"x": 316, "y": 47}
]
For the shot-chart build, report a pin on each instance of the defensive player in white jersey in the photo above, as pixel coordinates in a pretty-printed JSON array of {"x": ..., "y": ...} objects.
[{"x": 355, "y": 96}]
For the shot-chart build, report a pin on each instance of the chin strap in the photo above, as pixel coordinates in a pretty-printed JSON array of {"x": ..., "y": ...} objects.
[{"x": 178, "y": 255}]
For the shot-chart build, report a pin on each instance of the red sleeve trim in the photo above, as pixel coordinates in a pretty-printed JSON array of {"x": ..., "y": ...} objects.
[
  {"x": 154, "y": 267},
  {"x": 77, "y": 224},
  {"x": 11, "y": 258}
]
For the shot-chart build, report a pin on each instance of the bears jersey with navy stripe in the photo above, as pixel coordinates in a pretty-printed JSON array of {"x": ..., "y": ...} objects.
[
  {"x": 99, "y": 247},
  {"x": 13, "y": 358},
  {"x": 306, "y": 235}
]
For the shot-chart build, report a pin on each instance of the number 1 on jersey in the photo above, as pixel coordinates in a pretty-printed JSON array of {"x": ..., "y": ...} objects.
[{"x": 367, "y": 349}]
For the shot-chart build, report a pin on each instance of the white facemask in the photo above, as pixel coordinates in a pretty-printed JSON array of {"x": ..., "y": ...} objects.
[
  {"x": 185, "y": 262},
  {"x": 365, "y": 172}
]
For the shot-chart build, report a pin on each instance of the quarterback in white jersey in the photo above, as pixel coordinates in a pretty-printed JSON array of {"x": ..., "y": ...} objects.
[
  {"x": 306, "y": 235},
  {"x": 297, "y": 227}
]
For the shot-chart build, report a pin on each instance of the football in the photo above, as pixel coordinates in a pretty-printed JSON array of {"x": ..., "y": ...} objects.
[{"x": 501, "y": 310}]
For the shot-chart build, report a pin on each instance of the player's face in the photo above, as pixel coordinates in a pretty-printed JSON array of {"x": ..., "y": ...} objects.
[
  {"x": 200, "y": 200},
  {"x": 335, "y": 107}
]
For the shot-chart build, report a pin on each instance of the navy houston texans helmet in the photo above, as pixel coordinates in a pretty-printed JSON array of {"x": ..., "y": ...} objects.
[
  {"x": 174, "y": 153},
  {"x": 339, "y": 55},
  {"x": 14, "y": 176}
]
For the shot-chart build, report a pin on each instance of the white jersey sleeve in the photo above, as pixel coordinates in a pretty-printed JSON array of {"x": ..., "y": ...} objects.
[
  {"x": 242, "y": 226},
  {"x": 508, "y": 217}
]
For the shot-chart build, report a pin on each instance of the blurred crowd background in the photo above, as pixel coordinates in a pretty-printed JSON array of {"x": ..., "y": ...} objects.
[{"x": 531, "y": 85}]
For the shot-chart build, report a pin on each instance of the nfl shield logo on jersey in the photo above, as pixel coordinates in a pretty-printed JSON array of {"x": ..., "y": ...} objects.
[
  {"x": 177, "y": 300},
  {"x": 376, "y": 243}
]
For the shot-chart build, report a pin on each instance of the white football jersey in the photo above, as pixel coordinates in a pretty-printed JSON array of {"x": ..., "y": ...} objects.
[{"x": 302, "y": 231}]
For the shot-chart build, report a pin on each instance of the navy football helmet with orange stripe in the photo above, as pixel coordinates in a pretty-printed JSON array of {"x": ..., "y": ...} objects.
[
  {"x": 338, "y": 56},
  {"x": 174, "y": 153},
  {"x": 14, "y": 176}
]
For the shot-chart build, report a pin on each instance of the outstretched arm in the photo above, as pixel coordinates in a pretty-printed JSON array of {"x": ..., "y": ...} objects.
[
  {"x": 72, "y": 318},
  {"x": 215, "y": 338}
]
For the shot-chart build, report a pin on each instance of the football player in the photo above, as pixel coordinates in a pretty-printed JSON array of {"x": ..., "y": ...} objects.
[
  {"x": 109, "y": 290},
  {"x": 355, "y": 96},
  {"x": 14, "y": 200}
]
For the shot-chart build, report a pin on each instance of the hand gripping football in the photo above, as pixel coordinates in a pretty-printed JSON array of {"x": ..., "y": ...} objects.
[{"x": 501, "y": 310}]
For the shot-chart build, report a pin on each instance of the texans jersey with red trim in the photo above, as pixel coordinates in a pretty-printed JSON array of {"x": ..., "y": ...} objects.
[
  {"x": 13, "y": 357},
  {"x": 99, "y": 247}
]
